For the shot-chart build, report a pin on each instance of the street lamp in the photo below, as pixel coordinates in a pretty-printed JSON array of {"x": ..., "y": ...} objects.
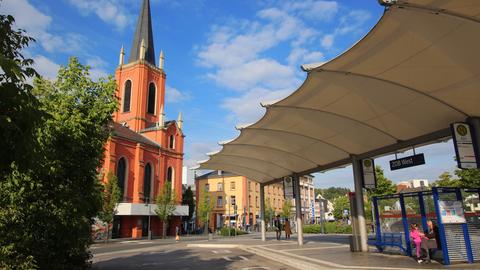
[{"x": 147, "y": 203}]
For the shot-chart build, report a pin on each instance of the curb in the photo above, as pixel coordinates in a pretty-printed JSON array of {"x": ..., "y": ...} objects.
[
  {"x": 214, "y": 245},
  {"x": 297, "y": 264}
]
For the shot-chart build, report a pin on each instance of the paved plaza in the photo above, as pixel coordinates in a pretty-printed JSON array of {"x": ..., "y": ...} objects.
[{"x": 248, "y": 252}]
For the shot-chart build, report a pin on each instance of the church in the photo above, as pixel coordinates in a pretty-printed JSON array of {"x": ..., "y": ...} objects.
[{"x": 145, "y": 151}]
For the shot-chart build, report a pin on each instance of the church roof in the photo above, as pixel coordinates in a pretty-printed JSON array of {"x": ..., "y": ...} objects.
[
  {"x": 143, "y": 32},
  {"x": 126, "y": 133}
]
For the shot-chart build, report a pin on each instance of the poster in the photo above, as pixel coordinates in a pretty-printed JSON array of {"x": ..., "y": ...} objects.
[
  {"x": 451, "y": 212},
  {"x": 369, "y": 178},
  {"x": 288, "y": 187},
  {"x": 462, "y": 139}
]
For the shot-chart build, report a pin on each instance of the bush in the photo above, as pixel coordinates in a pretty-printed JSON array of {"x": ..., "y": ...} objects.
[
  {"x": 330, "y": 227},
  {"x": 224, "y": 231}
]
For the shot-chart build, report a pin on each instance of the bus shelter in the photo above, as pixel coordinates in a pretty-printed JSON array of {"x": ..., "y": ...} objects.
[
  {"x": 455, "y": 211},
  {"x": 402, "y": 85}
]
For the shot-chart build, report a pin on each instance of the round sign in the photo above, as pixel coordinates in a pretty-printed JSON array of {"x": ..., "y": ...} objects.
[
  {"x": 462, "y": 130},
  {"x": 367, "y": 163}
]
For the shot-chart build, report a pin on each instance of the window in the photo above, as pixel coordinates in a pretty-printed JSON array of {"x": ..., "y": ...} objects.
[
  {"x": 151, "y": 99},
  {"x": 207, "y": 187},
  {"x": 274, "y": 203},
  {"x": 232, "y": 200},
  {"x": 169, "y": 174},
  {"x": 232, "y": 185},
  {"x": 256, "y": 201},
  {"x": 171, "y": 142},
  {"x": 147, "y": 182},
  {"x": 219, "y": 186},
  {"x": 249, "y": 186},
  {"x": 249, "y": 200},
  {"x": 127, "y": 92},
  {"x": 121, "y": 175},
  {"x": 219, "y": 201}
]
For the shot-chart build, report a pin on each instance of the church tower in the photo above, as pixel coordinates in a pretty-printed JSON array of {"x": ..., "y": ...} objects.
[{"x": 141, "y": 84}]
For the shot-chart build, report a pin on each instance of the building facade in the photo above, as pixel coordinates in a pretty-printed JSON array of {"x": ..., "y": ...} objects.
[
  {"x": 307, "y": 192},
  {"x": 236, "y": 199},
  {"x": 145, "y": 151}
]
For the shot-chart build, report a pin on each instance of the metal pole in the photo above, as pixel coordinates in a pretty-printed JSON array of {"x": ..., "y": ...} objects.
[
  {"x": 362, "y": 228},
  {"x": 405, "y": 225},
  {"x": 466, "y": 234},
  {"x": 298, "y": 209},
  {"x": 229, "y": 218},
  {"x": 262, "y": 211},
  {"x": 474, "y": 123},
  {"x": 441, "y": 227}
]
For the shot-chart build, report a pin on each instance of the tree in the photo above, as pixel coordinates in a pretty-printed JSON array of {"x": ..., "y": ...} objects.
[
  {"x": 48, "y": 204},
  {"x": 446, "y": 180},
  {"x": 339, "y": 204},
  {"x": 468, "y": 178},
  {"x": 187, "y": 199},
  {"x": 287, "y": 209},
  {"x": 19, "y": 113},
  {"x": 269, "y": 211},
  {"x": 384, "y": 185},
  {"x": 205, "y": 207},
  {"x": 332, "y": 192},
  {"x": 111, "y": 197},
  {"x": 166, "y": 205}
]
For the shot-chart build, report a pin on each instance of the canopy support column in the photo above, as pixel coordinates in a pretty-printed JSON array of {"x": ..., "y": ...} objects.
[
  {"x": 360, "y": 213},
  {"x": 298, "y": 209},
  {"x": 262, "y": 211}
]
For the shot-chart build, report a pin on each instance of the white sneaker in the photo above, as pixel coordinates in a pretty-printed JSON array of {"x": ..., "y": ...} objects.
[{"x": 420, "y": 261}]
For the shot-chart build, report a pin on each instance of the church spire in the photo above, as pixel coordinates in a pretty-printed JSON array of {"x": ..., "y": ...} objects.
[{"x": 143, "y": 33}]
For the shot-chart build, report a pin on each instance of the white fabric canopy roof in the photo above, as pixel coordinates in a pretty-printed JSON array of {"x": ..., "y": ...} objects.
[{"x": 416, "y": 71}]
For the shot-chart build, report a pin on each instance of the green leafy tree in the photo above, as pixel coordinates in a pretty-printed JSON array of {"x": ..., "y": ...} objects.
[
  {"x": 384, "y": 185},
  {"x": 269, "y": 211},
  {"x": 47, "y": 209},
  {"x": 166, "y": 204},
  {"x": 19, "y": 113},
  {"x": 111, "y": 197},
  {"x": 205, "y": 207},
  {"x": 332, "y": 192},
  {"x": 339, "y": 204},
  {"x": 287, "y": 209},
  {"x": 446, "y": 180},
  {"x": 468, "y": 178},
  {"x": 188, "y": 199}
]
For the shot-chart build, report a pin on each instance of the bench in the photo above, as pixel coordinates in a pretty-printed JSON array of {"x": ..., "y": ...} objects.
[{"x": 388, "y": 239}]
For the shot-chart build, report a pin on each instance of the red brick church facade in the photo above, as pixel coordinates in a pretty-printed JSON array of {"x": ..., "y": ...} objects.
[{"x": 145, "y": 151}]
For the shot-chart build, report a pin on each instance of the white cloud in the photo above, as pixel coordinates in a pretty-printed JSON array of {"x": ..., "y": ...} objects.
[
  {"x": 314, "y": 10},
  {"x": 246, "y": 108},
  {"x": 327, "y": 41},
  {"x": 352, "y": 22},
  {"x": 108, "y": 11},
  {"x": 45, "y": 67},
  {"x": 173, "y": 95}
]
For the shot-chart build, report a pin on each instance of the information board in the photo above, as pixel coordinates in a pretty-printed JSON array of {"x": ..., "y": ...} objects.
[
  {"x": 369, "y": 177},
  {"x": 462, "y": 140},
  {"x": 451, "y": 212},
  {"x": 288, "y": 187},
  {"x": 405, "y": 162}
]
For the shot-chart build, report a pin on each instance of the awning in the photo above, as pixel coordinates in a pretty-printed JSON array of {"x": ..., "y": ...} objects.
[{"x": 414, "y": 73}]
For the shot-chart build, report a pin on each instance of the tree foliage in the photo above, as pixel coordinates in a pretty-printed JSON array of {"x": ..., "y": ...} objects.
[
  {"x": 166, "y": 204},
  {"x": 466, "y": 178},
  {"x": 446, "y": 180},
  {"x": 19, "y": 114},
  {"x": 110, "y": 197},
  {"x": 205, "y": 207},
  {"x": 188, "y": 199},
  {"x": 385, "y": 186},
  {"x": 269, "y": 211},
  {"x": 339, "y": 204},
  {"x": 287, "y": 208},
  {"x": 47, "y": 205},
  {"x": 332, "y": 192}
]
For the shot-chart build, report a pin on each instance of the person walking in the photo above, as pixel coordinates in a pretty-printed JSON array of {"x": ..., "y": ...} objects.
[
  {"x": 278, "y": 226},
  {"x": 288, "y": 229}
]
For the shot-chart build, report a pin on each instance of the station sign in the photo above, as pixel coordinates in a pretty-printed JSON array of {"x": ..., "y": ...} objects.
[
  {"x": 369, "y": 176},
  {"x": 406, "y": 162},
  {"x": 288, "y": 190},
  {"x": 464, "y": 148}
]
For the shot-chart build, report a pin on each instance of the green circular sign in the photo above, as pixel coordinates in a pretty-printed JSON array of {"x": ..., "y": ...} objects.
[
  {"x": 367, "y": 163},
  {"x": 462, "y": 130}
]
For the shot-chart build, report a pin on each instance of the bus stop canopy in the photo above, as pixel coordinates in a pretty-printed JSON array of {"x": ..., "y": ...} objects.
[{"x": 402, "y": 85}]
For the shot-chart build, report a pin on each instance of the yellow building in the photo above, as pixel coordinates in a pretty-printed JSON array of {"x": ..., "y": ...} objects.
[{"x": 236, "y": 199}]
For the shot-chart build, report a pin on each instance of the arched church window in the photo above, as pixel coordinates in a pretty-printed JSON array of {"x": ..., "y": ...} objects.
[
  {"x": 147, "y": 182},
  {"x": 121, "y": 175},
  {"x": 151, "y": 99},
  {"x": 171, "y": 142},
  {"x": 127, "y": 95},
  {"x": 169, "y": 174}
]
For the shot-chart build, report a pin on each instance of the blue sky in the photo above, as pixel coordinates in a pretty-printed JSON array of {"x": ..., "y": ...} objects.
[{"x": 222, "y": 57}]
